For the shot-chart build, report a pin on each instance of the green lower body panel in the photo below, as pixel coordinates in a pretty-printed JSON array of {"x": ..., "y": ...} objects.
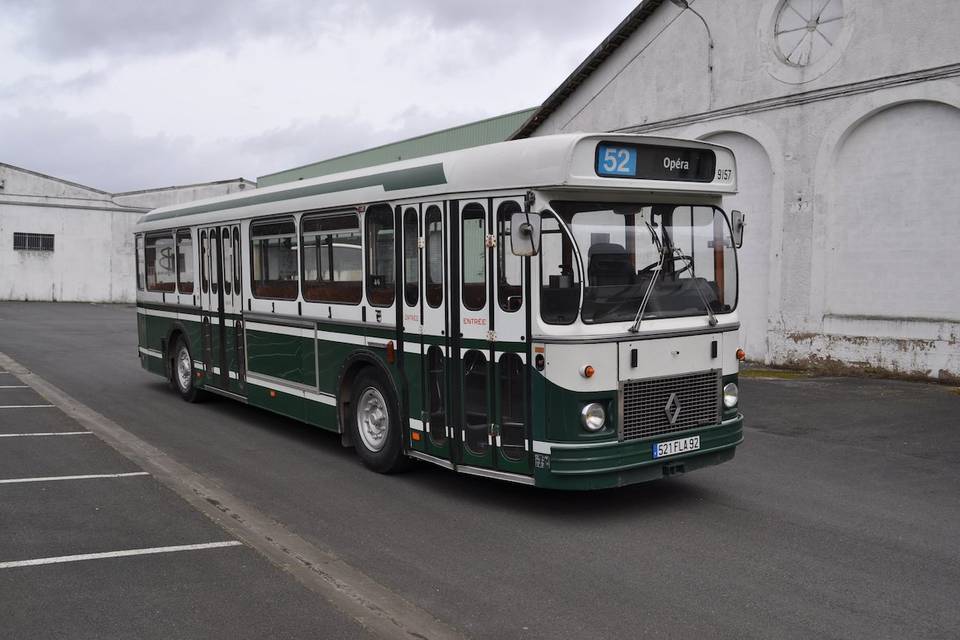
[{"x": 622, "y": 463}]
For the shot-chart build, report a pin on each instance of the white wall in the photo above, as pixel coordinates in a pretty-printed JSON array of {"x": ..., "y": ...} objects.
[
  {"x": 93, "y": 252},
  {"x": 848, "y": 175}
]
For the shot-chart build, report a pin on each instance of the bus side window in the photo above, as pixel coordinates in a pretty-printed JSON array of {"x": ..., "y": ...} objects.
[
  {"x": 559, "y": 274},
  {"x": 236, "y": 261},
  {"x": 184, "y": 261},
  {"x": 204, "y": 267},
  {"x": 381, "y": 286},
  {"x": 332, "y": 258},
  {"x": 139, "y": 256},
  {"x": 411, "y": 257},
  {"x": 161, "y": 261},
  {"x": 273, "y": 253},
  {"x": 509, "y": 266},
  {"x": 436, "y": 406},
  {"x": 513, "y": 407},
  {"x": 474, "y": 257},
  {"x": 433, "y": 291},
  {"x": 214, "y": 261},
  {"x": 227, "y": 248},
  {"x": 475, "y": 401}
]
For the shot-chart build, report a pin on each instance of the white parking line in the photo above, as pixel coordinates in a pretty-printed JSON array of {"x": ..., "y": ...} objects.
[
  {"x": 90, "y": 477},
  {"x": 25, "y": 406},
  {"x": 119, "y": 554},
  {"x": 13, "y": 386},
  {"x": 52, "y": 433}
]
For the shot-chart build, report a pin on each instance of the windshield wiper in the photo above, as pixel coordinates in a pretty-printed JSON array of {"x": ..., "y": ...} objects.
[
  {"x": 674, "y": 253},
  {"x": 646, "y": 294},
  {"x": 696, "y": 285}
]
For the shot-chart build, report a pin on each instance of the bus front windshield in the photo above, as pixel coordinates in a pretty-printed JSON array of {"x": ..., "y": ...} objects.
[{"x": 680, "y": 256}]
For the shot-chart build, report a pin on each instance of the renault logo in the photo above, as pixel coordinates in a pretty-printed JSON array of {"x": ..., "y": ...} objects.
[{"x": 672, "y": 408}]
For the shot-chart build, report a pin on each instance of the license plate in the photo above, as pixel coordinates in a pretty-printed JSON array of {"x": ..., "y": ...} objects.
[{"x": 673, "y": 447}]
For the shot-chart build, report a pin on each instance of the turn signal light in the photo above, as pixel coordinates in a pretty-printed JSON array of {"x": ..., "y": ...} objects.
[
  {"x": 273, "y": 394},
  {"x": 415, "y": 436},
  {"x": 741, "y": 355},
  {"x": 587, "y": 371},
  {"x": 391, "y": 353}
]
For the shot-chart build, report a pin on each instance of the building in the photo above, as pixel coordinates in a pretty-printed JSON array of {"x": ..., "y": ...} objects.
[
  {"x": 472, "y": 134},
  {"x": 64, "y": 241},
  {"x": 845, "y": 118}
]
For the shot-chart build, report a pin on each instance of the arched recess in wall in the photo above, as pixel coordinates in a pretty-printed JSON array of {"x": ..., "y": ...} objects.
[
  {"x": 755, "y": 182},
  {"x": 892, "y": 234}
]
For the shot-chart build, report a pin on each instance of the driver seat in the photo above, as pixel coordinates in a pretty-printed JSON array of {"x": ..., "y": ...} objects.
[{"x": 609, "y": 264}]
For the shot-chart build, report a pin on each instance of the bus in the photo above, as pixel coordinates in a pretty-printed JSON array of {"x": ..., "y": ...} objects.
[{"x": 559, "y": 311}]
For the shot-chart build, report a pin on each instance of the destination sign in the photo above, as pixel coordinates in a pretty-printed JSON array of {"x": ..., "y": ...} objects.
[{"x": 655, "y": 162}]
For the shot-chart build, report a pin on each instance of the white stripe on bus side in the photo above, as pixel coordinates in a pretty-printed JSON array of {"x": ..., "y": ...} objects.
[
  {"x": 173, "y": 315},
  {"x": 153, "y": 353},
  {"x": 325, "y": 398},
  {"x": 280, "y": 329}
]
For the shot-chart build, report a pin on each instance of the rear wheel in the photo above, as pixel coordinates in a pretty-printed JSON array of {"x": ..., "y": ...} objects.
[
  {"x": 375, "y": 424},
  {"x": 181, "y": 372}
]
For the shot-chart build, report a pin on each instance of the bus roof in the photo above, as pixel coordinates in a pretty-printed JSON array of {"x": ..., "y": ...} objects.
[{"x": 566, "y": 161}]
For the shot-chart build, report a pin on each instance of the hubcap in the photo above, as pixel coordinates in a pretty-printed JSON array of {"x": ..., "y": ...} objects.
[
  {"x": 373, "y": 421},
  {"x": 184, "y": 368}
]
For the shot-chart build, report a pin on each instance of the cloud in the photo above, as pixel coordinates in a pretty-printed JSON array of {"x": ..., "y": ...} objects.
[
  {"x": 57, "y": 30},
  {"x": 104, "y": 152}
]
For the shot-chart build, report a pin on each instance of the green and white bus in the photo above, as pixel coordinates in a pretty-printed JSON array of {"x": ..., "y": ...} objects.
[{"x": 558, "y": 311}]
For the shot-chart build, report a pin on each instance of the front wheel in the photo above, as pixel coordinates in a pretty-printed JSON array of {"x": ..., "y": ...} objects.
[
  {"x": 375, "y": 424},
  {"x": 182, "y": 372}
]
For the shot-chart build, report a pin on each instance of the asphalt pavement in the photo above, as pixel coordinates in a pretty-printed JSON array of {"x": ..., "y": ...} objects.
[{"x": 839, "y": 517}]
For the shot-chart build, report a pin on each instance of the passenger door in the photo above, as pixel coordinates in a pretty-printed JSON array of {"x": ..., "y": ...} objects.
[
  {"x": 230, "y": 321},
  {"x": 511, "y": 417},
  {"x": 435, "y": 338},
  {"x": 473, "y": 361}
]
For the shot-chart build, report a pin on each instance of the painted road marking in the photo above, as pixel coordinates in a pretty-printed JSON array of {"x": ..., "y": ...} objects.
[
  {"x": 88, "y": 477},
  {"x": 119, "y": 554},
  {"x": 25, "y": 406},
  {"x": 379, "y": 609},
  {"x": 13, "y": 386},
  {"x": 52, "y": 433}
]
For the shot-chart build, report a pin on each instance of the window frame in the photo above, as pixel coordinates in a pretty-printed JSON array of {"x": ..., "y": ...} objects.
[
  {"x": 429, "y": 286},
  {"x": 502, "y": 222},
  {"x": 482, "y": 285},
  {"x": 156, "y": 235},
  {"x": 373, "y": 293},
  {"x": 408, "y": 285},
  {"x": 296, "y": 235},
  {"x": 179, "y": 235},
  {"x": 320, "y": 215}
]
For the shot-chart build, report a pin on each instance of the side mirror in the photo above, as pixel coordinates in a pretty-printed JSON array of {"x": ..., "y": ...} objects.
[
  {"x": 525, "y": 234},
  {"x": 738, "y": 220}
]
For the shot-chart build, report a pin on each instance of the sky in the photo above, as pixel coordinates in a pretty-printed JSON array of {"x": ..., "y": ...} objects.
[{"x": 125, "y": 94}]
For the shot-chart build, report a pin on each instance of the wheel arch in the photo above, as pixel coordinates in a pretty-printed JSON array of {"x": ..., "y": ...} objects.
[{"x": 355, "y": 363}]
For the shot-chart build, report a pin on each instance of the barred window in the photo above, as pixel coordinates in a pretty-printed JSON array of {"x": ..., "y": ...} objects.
[{"x": 32, "y": 241}]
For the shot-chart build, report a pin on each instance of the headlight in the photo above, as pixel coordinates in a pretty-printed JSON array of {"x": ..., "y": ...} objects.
[
  {"x": 593, "y": 417},
  {"x": 730, "y": 395}
]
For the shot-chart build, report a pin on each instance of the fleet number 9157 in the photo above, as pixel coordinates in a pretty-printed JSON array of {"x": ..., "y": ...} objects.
[{"x": 724, "y": 174}]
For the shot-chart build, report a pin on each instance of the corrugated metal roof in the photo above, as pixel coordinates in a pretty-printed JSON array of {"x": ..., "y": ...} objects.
[
  {"x": 473, "y": 134},
  {"x": 605, "y": 49}
]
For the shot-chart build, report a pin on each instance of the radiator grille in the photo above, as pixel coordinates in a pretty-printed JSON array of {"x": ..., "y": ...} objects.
[{"x": 645, "y": 411}]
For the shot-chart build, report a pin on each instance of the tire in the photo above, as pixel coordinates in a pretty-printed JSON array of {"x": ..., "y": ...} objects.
[
  {"x": 181, "y": 372},
  {"x": 375, "y": 423}
]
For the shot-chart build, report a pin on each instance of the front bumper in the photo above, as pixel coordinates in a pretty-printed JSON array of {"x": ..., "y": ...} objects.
[{"x": 617, "y": 464}]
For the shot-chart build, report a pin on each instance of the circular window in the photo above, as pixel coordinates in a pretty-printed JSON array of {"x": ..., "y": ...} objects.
[{"x": 806, "y": 30}]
